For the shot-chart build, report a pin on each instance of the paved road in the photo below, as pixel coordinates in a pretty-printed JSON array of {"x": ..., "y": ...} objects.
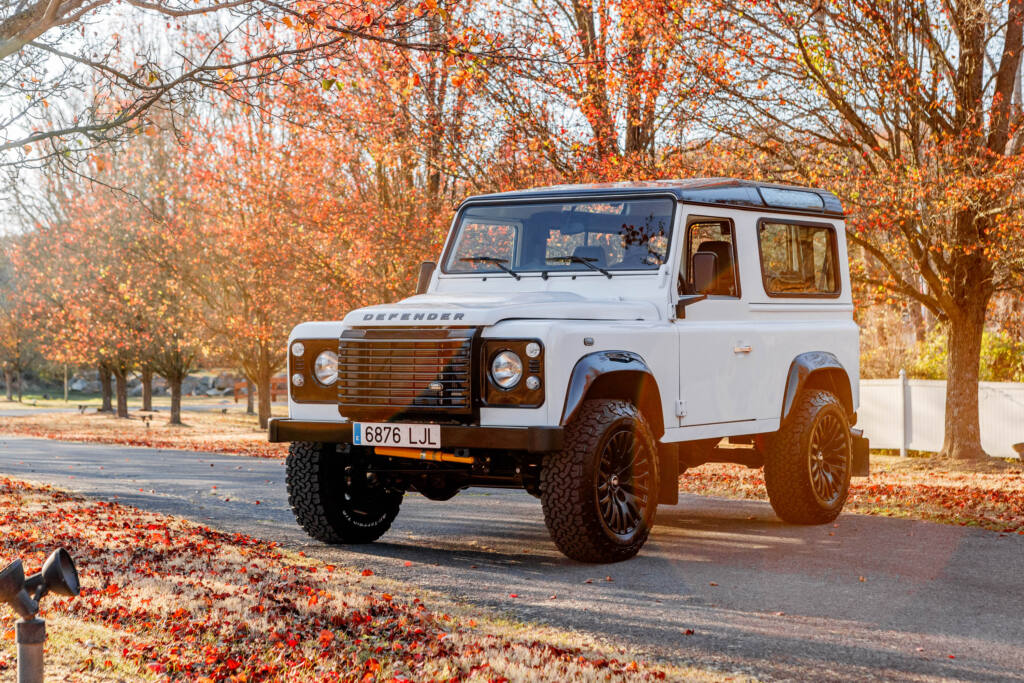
[{"x": 761, "y": 597}]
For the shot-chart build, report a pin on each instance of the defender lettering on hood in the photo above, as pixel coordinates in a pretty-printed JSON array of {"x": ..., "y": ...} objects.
[{"x": 414, "y": 316}]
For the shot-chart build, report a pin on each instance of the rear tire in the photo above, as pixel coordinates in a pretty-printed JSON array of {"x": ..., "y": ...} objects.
[
  {"x": 600, "y": 493},
  {"x": 809, "y": 461},
  {"x": 334, "y": 498}
]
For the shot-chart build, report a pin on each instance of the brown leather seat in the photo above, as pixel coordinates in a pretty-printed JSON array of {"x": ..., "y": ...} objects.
[{"x": 725, "y": 277}]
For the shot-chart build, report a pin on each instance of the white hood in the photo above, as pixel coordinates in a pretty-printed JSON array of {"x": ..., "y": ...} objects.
[{"x": 481, "y": 310}]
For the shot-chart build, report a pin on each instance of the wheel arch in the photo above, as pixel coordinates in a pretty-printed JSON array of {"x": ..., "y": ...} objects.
[
  {"x": 817, "y": 370},
  {"x": 615, "y": 374}
]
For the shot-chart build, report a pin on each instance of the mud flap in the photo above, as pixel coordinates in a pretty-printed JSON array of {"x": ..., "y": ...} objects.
[
  {"x": 861, "y": 454},
  {"x": 668, "y": 473}
]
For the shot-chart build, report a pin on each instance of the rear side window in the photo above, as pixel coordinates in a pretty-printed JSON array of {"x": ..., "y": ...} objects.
[{"x": 798, "y": 259}]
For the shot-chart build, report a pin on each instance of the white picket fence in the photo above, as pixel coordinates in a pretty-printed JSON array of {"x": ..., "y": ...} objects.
[{"x": 910, "y": 414}]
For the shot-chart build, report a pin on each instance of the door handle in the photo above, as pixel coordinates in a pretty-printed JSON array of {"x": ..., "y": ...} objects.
[{"x": 742, "y": 349}]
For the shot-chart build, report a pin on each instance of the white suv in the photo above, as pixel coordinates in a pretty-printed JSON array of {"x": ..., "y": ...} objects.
[{"x": 588, "y": 343}]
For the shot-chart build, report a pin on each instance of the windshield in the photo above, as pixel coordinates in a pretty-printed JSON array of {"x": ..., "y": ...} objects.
[{"x": 600, "y": 236}]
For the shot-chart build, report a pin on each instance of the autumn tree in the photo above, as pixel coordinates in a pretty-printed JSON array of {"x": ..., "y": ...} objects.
[
  {"x": 17, "y": 341},
  {"x": 911, "y": 111},
  {"x": 79, "y": 74}
]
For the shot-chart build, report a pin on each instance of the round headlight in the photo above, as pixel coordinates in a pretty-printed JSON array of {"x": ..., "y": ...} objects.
[
  {"x": 298, "y": 348},
  {"x": 506, "y": 369},
  {"x": 298, "y": 380},
  {"x": 325, "y": 367}
]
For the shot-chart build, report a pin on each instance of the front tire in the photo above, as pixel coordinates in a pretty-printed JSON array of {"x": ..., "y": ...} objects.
[
  {"x": 809, "y": 461},
  {"x": 334, "y": 497},
  {"x": 599, "y": 494}
]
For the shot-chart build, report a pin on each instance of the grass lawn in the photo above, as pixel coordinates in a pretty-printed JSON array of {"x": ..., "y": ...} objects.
[
  {"x": 34, "y": 401},
  {"x": 229, "y": 432},
  {"x": 167, "y": 599}
]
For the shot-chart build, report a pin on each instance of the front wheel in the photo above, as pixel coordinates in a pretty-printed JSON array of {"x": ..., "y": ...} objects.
[
  {"x": 808, "y": 464},
  {"x": 334, "y": 496},
  {"x": 599, "y": 494}
]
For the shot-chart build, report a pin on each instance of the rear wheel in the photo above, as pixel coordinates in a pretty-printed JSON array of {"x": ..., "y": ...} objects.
[
  {"x": 334, "y": 496},
  {"x": 599, "y": 494},
  {"x": 808, "y": 464}
]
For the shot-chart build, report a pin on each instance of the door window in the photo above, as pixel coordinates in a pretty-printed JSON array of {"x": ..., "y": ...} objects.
[{"x": 715, "y": 237}]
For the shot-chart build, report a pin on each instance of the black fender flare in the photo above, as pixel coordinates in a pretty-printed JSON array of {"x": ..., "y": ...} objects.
[
  {"x": 615, "y": 374},
  {"x": 624, "y": 374},
  {"x": 821, "y": 370}
]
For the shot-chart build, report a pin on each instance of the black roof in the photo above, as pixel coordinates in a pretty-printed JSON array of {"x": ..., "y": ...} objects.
[{"x": 743, "y": 194}]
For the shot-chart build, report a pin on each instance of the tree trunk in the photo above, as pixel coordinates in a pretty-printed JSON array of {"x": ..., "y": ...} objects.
[
  {"x": 250, "y": 395},
  {"x": 121, "y": 384},
  {"x": 265, "y": 375},
  {"x": 175, "y": 383},
  {"x": 106, "y": 389},
  {"x": 65, "y": 382},
  {"x": 963, "y": 431},
  {"x": 8, "y": 384},
  {"x": 147, "y": 389},
  {"x": 21, "y": 383}
]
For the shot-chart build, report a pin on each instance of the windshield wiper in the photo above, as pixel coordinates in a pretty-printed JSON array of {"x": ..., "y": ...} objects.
[
  {"x": 588, "y": 262},
  {"x": 500, "y": 262}
]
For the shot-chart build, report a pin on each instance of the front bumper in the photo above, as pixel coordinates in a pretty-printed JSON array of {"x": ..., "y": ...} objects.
[{"x": 529, "y": 439}]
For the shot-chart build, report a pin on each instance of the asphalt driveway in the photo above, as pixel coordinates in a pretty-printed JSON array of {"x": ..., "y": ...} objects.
[{"x": 721, "y": 583}]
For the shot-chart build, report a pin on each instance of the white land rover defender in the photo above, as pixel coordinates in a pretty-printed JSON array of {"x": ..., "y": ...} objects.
[{"x": 588, "y": 343}]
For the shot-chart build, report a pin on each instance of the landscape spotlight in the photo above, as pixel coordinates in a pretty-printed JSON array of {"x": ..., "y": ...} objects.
[{"x": 23, "y": 594}]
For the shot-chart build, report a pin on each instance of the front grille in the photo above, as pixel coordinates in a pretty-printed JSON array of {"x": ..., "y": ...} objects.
[{"x": 395, "y": 370}]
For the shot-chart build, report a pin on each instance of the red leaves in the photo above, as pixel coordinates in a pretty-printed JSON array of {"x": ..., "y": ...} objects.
[
  {"x": 991, "y": 500},
  {"x": 227, "y": 607}
]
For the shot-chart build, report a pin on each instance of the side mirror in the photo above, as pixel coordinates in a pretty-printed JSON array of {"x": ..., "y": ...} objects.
[
  {"x": 426, "y": 272},
  {"x": 705, "y": 268}
]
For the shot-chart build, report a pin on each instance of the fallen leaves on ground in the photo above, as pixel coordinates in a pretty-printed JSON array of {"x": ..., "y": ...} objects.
[
  {"x": 232, "y": 433},
  {"x": 992, "y": 499},
  {"x": 167, "y": 599}
]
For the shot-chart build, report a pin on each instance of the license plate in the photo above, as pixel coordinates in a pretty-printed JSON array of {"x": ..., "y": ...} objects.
[{"x": 396, "y": 434}]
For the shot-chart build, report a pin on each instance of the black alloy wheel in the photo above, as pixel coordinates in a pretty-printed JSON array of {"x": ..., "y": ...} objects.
[
  {"x": 623, "y": 491},
  {"x": 599, "y": 493},
  {"x": 808, "y": 462},
  {"x": 829, "y": 459}
]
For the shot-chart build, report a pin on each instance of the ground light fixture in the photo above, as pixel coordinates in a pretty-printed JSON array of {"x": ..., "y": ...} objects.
[{"x": 23, "y": 594}]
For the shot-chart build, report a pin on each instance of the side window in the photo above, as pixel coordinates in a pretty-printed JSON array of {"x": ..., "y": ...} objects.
[
  {"x": 798, "y": 260},
  {"x": 715, "y": 237}
]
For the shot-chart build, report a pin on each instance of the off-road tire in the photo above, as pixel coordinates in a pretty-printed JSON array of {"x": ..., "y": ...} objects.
[
  {"x": 569, "y": 483},
  {"x": 331, "y": 504},
  {"x": 789, "y": 475}
]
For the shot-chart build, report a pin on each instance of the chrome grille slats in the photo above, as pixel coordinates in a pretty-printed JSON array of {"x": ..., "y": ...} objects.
[{"x": 392, "y": 369}]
